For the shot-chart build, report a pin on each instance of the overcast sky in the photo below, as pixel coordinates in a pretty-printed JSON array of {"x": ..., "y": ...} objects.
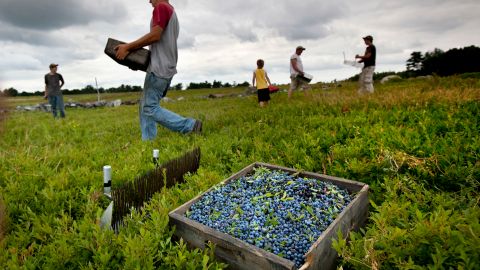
[{"x": 222, "y": 39}]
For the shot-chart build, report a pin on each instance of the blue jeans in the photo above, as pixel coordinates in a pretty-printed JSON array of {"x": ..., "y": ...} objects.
[
  {"x": 151, "y": 113},
  {"x": 57, "y": 102}
]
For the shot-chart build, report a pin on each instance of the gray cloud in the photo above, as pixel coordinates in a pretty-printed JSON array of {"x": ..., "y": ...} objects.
[
  {"x": 427, "y": 16},
  {"x": 56, "y": 14},
  {"x": 243, "y": 30},
  {"x": 293, "y": 20},
  {"x": 185, "y": 40},
  {"x": 221, "y": 39},
  {"x": 15, "y": 34},
  {"x": 307, "y": 20}
]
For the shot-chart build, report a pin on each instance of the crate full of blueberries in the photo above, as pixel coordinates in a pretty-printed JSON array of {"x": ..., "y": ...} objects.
[{"x": 271, "y": 217}]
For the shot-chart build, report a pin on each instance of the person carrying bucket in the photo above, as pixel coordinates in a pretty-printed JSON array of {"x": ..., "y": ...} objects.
[
  {"x": 262, "y": 82},
  {"x": 365, "y": 82},
  {"x": 162, "y": 39},
  {"x": 296, "y": 73}
]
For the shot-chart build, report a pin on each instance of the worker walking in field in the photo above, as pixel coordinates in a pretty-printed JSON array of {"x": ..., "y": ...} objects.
[
  {"x": 365, "y": 82},
  {"x": 53, "y": 84},
  {"x": 260, "y": 77},
  {"x": 296, "y": 71},
  {"x": 162, "y": 39}
]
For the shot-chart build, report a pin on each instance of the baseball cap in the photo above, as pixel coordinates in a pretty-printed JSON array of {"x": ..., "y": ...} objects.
[
  {"x": 301, "y": 48},
  {"x": 53, "y": 65},
  {"x": 368, "y": 38}
]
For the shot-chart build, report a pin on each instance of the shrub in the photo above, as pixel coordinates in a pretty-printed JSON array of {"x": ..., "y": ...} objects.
[{"x": 416, "y": 227}]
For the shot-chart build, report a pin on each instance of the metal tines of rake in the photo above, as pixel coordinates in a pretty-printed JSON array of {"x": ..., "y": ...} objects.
[{"x": 141, "y": 190}]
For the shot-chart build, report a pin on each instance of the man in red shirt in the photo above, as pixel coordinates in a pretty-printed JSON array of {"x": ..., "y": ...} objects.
[{"x": 162, "y": 42}]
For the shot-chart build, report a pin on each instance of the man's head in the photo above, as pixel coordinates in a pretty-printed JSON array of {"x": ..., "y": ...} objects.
[
  {"x": 53, "y": 67},
  {"x": 299, "y": 50},
  {"x": 368, "y": 39}
]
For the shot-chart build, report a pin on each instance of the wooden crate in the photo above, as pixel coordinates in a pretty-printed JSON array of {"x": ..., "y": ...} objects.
[{"x": 241, "y": 255}]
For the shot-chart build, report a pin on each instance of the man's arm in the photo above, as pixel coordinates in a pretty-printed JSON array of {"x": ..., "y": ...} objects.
[
  {"x": 46, "y": 88},
  {"x": 295, "y": 66},
  {"x": 364, "y": 57},
  {"x": 153, "y": 36},
  {"x": 253, "y": 79},
  {"x": 62, "y": 81}
]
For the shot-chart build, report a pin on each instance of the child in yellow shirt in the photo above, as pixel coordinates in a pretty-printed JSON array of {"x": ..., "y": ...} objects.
[{"x": 261, "y": 78}]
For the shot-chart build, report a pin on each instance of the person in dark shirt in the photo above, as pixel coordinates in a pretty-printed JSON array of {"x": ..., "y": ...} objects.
[
  {"x": 365, "y": 82},
  {"x": 53, "y": 84}
]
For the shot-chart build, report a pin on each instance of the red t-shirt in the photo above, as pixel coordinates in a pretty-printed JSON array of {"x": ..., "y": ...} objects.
[{"x": 161, "y": 15}]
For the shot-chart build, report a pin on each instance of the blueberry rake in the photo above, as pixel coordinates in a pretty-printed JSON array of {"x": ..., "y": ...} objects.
[{"x": 133, "y": 195}]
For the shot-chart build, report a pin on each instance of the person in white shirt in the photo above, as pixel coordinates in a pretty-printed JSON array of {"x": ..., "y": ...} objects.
[{"x": 296, "y": 69}]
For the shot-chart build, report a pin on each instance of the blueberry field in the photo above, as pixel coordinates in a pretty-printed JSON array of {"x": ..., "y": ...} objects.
[{"x": 416, "y": 143}]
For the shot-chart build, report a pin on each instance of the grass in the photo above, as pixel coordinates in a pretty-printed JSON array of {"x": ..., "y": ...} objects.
[{"x": 421, "y": 132}]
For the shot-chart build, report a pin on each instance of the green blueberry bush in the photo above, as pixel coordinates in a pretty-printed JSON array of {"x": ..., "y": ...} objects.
[{"x": 415, "y": 142}]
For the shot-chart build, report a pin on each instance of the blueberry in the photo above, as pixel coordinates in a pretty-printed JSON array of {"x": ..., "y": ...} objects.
[{"x": 273, "y": 210}]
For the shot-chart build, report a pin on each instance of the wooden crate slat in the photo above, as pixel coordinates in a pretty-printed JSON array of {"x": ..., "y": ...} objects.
[{"x": 236, "y": 253}]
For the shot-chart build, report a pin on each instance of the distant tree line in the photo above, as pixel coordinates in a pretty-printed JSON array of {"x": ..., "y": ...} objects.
[
  {"x": 215, "y": 84},
  {"x": 89, "y": 89},
  {"x": 452, "y": 62},
  {"x": 437, "y": 62}
]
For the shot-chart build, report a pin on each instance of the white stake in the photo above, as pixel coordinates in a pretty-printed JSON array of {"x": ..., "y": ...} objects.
[
  {"x": 98, "y": 92},
  {"x": 107, "y": 179},
  {"x": 156, "y": 154}
]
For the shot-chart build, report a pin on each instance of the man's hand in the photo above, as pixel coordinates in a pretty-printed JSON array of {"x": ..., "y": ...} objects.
[{"x": 121, "y": 51}]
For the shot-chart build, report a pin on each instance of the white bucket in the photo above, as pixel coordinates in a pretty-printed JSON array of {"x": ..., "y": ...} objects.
[{"x": 353, "y": 63}]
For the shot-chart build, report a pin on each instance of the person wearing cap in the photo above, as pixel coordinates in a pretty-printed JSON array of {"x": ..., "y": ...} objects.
[
  {"x": 296, "y": 70},
  {"x": 162, "y": 42},
  {"x": 53, "y": 84},
  {"x": 365, "y": 82}
]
